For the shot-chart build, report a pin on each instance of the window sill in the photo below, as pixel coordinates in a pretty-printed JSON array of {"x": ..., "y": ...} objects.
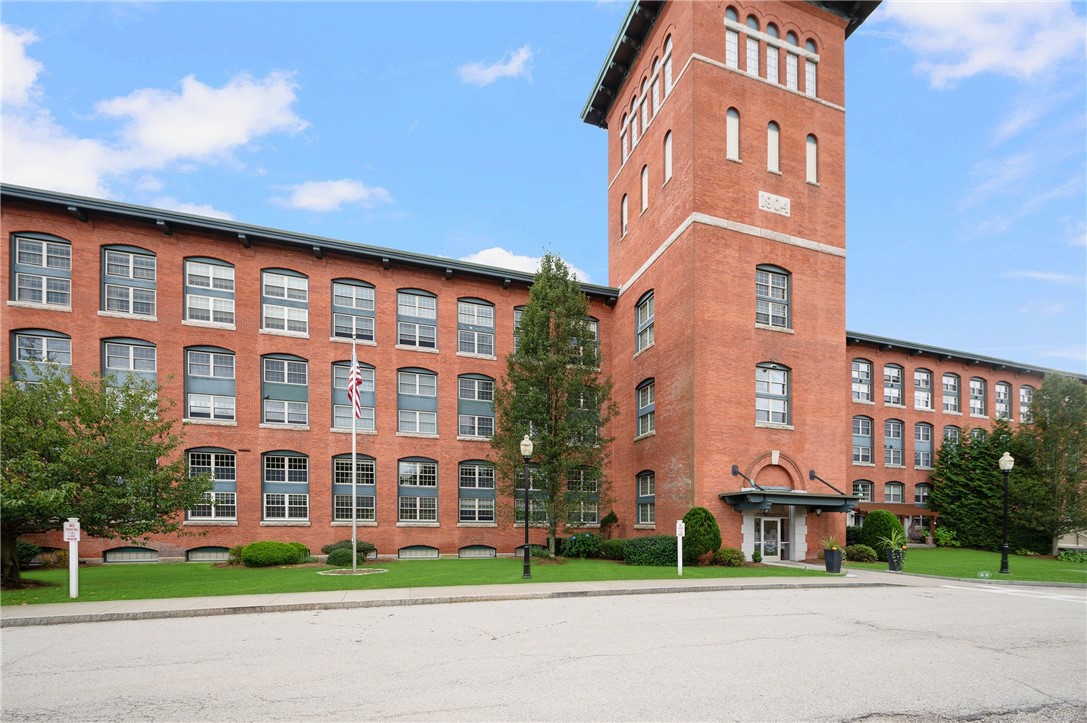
[
  {"x": 643, "y": 350},
  {"x": 642, "y": 526},
  {"x": 774, "y": 425},
  {"x": 893, "y": 405},
  {"x": 345, "y": 430},
  {"x": 771, "y": 327},
  {"x": 894, "y": 466},
  {"x": 417, "y": 435},
  {"x": 923, "y": 409},
  {"x": 863, "y": 401},
  {"x": 42, "y": 307},
  {"x": 471, "y": 355},
  {"x": 359, "y": 523},
  {"x": 734, "y": 160},
  {"x": 122, "y": 315},
  {"x": 209, "y": 523},
  {"x": 291, "y": 334},
  {"x": 647, "y": 435},
  {"x": 418, "y": 524},
  {"x": 864, "y": 464},
  {"x": 812, "y": 183},
  {"x": 472, "y": 439},
  {"x": 284, "y": 523},
  {"x": 953, "y": 414},
  {"x": 477, "y": 524},
  {"x": 537, "y": 525},
  {"x": 978, "y": 416},
  {"x": 583, "y": 526},
  {"x": 209, "y": 325},
  {"x": 424, "y": 350},
  {"x": 924, "y": 469},
  {"x": 345, "y": 340},
  {"x": 776, "y": 173},
  {"x": 292, "y": 427},
  {"x": 210, "y": 422}
]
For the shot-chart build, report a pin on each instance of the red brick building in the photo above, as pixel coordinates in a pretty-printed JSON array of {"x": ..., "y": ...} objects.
[{"x": 723, "y": 328}]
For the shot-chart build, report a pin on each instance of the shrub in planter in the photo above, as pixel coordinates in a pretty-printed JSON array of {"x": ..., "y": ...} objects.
[
  {"x": 860, "y": 553},
  {"x": 729, "y": 557},
  {"x": 364, "y": 548},
  {"x": 702, "y": 534},
  {"x": 268, "y": 553},
  {"x": 613, "y": 549},
  {"x": 653, "y": 550},
  {"x": 583, "y": 544},
  {"x": 341, "y": 557},
  {"x": 879, "y": 526}
]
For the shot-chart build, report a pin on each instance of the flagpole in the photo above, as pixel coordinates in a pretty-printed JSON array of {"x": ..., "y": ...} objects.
[{"x": 354, "y": 469}]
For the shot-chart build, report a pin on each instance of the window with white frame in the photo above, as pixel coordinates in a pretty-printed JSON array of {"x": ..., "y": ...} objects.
[
  {"x": 655, "y": 88},
  {"x": 39, "y": 350},
  {"x": 644, "y": 322},
  {"x": 892, "y": 442},
  {"x": 475, "y": 509},
  {"x": 922, "y": 389},
  {"x": 772, "y": 297},
  {"x": 475, "y": 327},
  {"x": 353, "y": 310},
  {"x": 791, "y": 60},
  {"x": 862, "y": 380},
  {"x": 285, "y": 390},
  {"x": 634, "y": 124},
  {"x": 416, "y": 319},
  {"x": 417, "y": 490},
  {"x": 1003, "y": 400},
  {"x": 417, "y": 401},
  {"x": 209, "y": 291},
  {"x": 952, "y": 433},
  {"x": 772, "y": 52},
  {"x": 365, "y": 469},
  {"x": 475, "y": 406},
  {"x": 811, "y": 146},
  {"x": 647, "y": 406},
  {"x": 752, "y": 47},
  {"x": 771, "y": 393},
  {"x": 892, "y": 384},
  {"x": 732, "y": 41},
  {"x": 42, "y": 270},
  {"x": 644, "y": 103},
  {"x": 921, "y": 493},
  {"x": 130, "y": 357},
  {"x": 809, "y": 70},
  {"x": 951, "y": 393},
  {"x": 773, "y": 147},
  {"x": 645, "y": 188},
  {"x": 624, "y": 138},
  {"x": 667, "y": 66},
  {"x": 219, "y": 503},
  {"x": 862, "y": 440},
  {"x": 978, "y": 404},
  {"x": 624, "y": 215},
  {"x": 863, "y": 488},
  {"x": 894, "y": 492},
  {"x": 583, "y": 497},
  {"x": 667, "y": 156},
  {"x": 732, "y": 134},
  {"x": 285, "y": 487},
  {"x": 646, "y": 500},
  {"x": 210, "y": 386},
  {"x": 922, "y": 445},
  {"x": 342, "y": 414},
  {"x": 284, "y": 302},
  {"x": 1026, "y": 400},
  {"x": 129, "y": 277}
]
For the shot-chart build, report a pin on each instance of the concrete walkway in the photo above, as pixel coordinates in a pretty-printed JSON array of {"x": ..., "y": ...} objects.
[{"x": 106, "y": 610}]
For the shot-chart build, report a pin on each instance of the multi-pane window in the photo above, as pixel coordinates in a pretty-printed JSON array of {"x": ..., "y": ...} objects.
[
  {"x": 922, "y": 389},
  {"x": 285, "y": 487},
  {"x": 951, "y": 393},
  {"x": 1026, "y": 399},
  {"x": 791, "y": 60},
  {"x": 342, "y": 415},
  {"x": 476, "y": 476},
  {"x": 862, "y": 440},
  {"x": 644, "y": 317},
  {"x": 892, "y": 442},
  {"x": 732, "y": 134},
  {"x": 36, "y": 350},
  {"x": 772, "y": 296},
  {"x": 862, "y": 380},
  {"x": 655, "y": 89},
  {"x": 416, "y": 319},
  {"x": 752, "y": 47},
  {"x": 892, "y": 384},
  {"x": 647, "y": 498},
  {"x": 922, "y": 445},
  {"x": 365, "y": 489},
  {"x": 810, "y": 70},
  {"x": 128, "y": 281},
  {"x": 43, "y": 270},
  {"x": 863, "y": 488},
  {"x": 285, "y": 390},
  {"x": 894, "y": 492},
  {"x": 732, "y": 41},
  {"x": 209, "y": 291},
  {"x": 476, "y": 509},
  {"x": 667, "y": 66},
  {"x": 417, "y": 402},
  {"x": 978, "y": 405},
  {"x": 583, "y": 492},
  {"x": 952, "y": 433},
  {"x": 647, "y": 405},
  {"x": 284, "y": 302},
  {"x": 772, "y": 52},
  {"x": 1003, "y": 402},
  {"x": 209, "y": 384},
  {"x": 921, "y": 493},
  {"x": 475, "y": 327},
  {"x": 475, "y": 406},
  {"x": 352, "y": 310},
  {"x": 220, "y": 503},
  {"x": 771, "y": 394},
  {"x": 417, "y": 481},
  {"x": 131, "y": 357}
]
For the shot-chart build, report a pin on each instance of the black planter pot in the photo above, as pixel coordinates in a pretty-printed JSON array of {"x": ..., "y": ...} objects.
[
  {"x": 895, "y": 559},
  {"x": 833, "y": 560}
]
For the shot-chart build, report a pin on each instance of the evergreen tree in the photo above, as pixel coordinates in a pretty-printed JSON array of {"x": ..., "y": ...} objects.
[
  {"x": 102, "y": 450},
  {"x": 554, "y": 392}
]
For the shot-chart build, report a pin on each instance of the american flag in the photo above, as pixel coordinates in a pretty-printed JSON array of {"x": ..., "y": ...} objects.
[{"x": 354, "y": 386}]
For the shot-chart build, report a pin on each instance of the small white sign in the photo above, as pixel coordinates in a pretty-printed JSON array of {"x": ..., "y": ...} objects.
[
  {"x": 681, "y": 529},
  {"x": 775, "y": 204},
  {"x": 71, "y": 531}
]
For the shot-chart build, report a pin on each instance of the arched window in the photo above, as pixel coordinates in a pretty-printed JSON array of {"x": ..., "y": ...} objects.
[
  {"x": 771, "y": 393},
  {"x": 892, "y": 442},
  {"x": 809, "y": 69},
  {"x": 624, "y": 138},
  {"x": 952, "y": 433},
  {"x": 623, "y": 216},
  {"x": 862, "y": 440},
  {"x": 644, "y": 320},
  {"x": 655, "y": 88},
  {"x": 644, "y": 104},
  {"x": 952, "y": 401},
  {"x": 979, "y": 406},
  {"x": 791, "y": 60},
  {"x": 922, "y": 445},
  {"x": 365, "y": 469},
  {"x": 893, "y": 492},
  {"x": 862, "y": 380},
  {"x": 863, "y": 488},
  {"x": 752, "y": 47},
  {"x": 647, "y": 404},
  {"x": 219, "y": 503},
  {"x": 732, "y": 135},
  {"x": 922, "y": 389},
  {"x": 732, "y": 39},
  {"x": 892, "y": 384},
  {"x": 667, "y": 156},
  {"x": 773, "y": 154},
  {"x": 42, "y": 269},
  {"x": 647, "y": 497},
  {"x": 1026, "y": 399},
  {"x": 285, "y": 486},
  {"x": 667, "y": 66},
  {"x": 772, "y": 296},
  {"x": 812, "y": 147},
  {"x": 129, "y": 277},
  {"x": 645, "y": 188},
  {"x": 921, "y": 493},
  {"x": 634, "y": 124}
]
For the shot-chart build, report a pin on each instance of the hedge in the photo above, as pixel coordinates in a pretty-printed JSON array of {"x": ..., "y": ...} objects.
[{"x": 657, "y": 550}]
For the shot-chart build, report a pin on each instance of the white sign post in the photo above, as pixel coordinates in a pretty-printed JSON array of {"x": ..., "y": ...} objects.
[
  {"x": 71, "y": 536},
  {"x": 681, "y": 530}
]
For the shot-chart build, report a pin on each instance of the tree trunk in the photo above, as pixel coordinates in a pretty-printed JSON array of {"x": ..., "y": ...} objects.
[{"x": 9, "y": 559}]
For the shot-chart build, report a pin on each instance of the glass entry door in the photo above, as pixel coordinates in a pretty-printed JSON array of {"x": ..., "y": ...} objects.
[{"x": 770, "y": 539}]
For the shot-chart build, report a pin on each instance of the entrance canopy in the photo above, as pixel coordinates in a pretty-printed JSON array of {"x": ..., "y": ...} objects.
[{"x": 764, "y": 498}]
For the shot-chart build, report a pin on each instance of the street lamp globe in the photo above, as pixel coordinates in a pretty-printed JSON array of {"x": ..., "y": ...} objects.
[
  {"x": 1006, "y": 462},
  {"x": 526, "y": 448}
]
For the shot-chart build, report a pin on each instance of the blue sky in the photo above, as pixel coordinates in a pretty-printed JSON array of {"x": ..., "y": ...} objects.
[{"x": 453, "y": 129}]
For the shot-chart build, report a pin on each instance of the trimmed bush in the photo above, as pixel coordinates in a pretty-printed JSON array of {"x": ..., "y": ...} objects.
[
  {"x": 702, "y": 534},
  {"x": 341, "y": 556},
  {"x": 756, "y": 556},
  {"x": 268, "y": 553},
  {"x": 234, "y": 555},
  {"x": 879, "y": 524},
  {"x": 364, "y": 548},
  {"x": 583, "y": 544},
  {"x": 945, "y": 538},
  {"x": 613, "y": 549},
  {"x": 607, "y": 522},
  {"x": 860, "y": 553},
  {"x": 657, "y": 550},
  {"x": 853, "y": 535},
  {"x": 302, "y": 550},
  {"x": 729, "y": 557}
]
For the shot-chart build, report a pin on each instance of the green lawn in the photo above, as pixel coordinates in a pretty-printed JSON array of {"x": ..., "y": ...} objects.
[
  {"x": 163, "y": 580},
  {"x": 962, "y": 563}
]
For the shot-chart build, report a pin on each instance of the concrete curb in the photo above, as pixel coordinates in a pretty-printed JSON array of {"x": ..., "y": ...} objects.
[{"x": 182, "y": 612}]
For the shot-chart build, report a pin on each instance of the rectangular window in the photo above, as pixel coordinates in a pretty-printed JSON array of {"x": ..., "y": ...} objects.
[
  {"x": 418, "y": 474},
  {"x": 863, "y": 490},
  {"x": 732, "y": 49},
  {"x": 647, "y": 416},
  {"x": 475, "y": 509},
  {"x": 422, "y": 307},
  {"x": 772, "y": 64},
  {"x": 130, "y": 300},
  {"x": 282, "y": 412},
  {"x": 286, "y": 318},
  {"x": 645, "y": 321},
  {"x": 470, "y": 425},
  {"x": 208, "y": 308},
  {"x": 951, "y": 393},
  {"x": 1003, "y": 393},
  {"x": 1026, "y": 399},
  {"x": 809, "y": 78},
  {"x": 418, "y": 509},
  {"x": 209, "y": 276},
  {"x": 476, "y": 476},
  {"x": 417, "y": 422},
  {"x": 424, "y": 336},
  {"x": 216, "y": 506},
  {"x": 52, "y": 284},
  {"x": 282, "y": 286},
  {"x": 892, "y": 492},
  {"x": 43, "y": 349},
  {"x": 278, "y": 506},
  {"x": 130, "y": 358},
  {"x": 481, "y": 390},
  {"x": 282, "y": 468},
  {"x": 922, "y": 389},
  {"x": 283, "y": 371},
  {"x": 752, "y": 56},
  {"x": 343, "y": 418},
  {"x": 43, "y": 289},
  {"x": 862, "y": 381},
  {"x": 790, "y": 70},
  {"x": 892, "y": 384},
  {"x": 365, "y": 508},
  {"x": 209, "y": 406},
  {"x": 418, "y": 384}
]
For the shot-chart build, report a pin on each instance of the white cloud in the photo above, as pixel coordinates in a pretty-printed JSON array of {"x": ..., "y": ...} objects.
[
  {"x": 331, "y": 195},
  {"x": 1072, "y": 351},
  {"x": 957, "y": 40},
  {"x": 18, "y": 81},
  {"x": 503, "y": 259},
  {"x": 1046, "y": 276},
  {"x": 1043, "y": 308},
  {"x": 513, "y": 65},
  {"x": 196, "y": 209}
]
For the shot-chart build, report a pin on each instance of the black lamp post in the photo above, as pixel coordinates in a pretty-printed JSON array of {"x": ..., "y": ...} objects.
[
  {"x": 526, "y": 453},
  {"x": 1006, "y": 464}
]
